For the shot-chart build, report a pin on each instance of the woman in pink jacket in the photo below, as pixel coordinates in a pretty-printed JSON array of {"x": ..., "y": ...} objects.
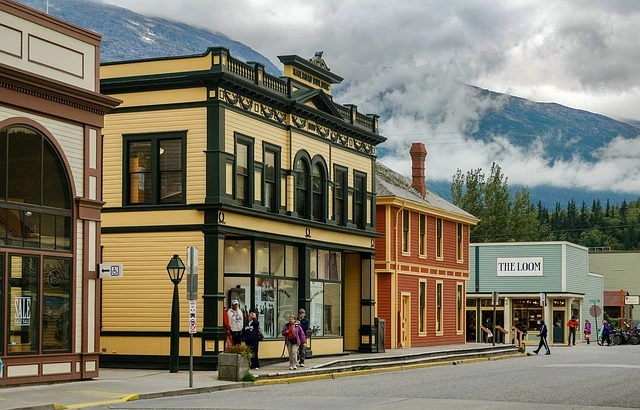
[{"x": 293, "y": 337}]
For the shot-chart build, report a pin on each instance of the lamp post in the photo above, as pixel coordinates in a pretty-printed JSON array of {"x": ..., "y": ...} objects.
[{"x": 176, "y": 269}]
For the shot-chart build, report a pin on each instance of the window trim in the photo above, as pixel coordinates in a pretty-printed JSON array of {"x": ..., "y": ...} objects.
[
  {"x": 459, "y": 242},
  {"x": 304, "y": 159},
  {"x": 337, "y": 169},
  {"x": 249, "y": 189},
  {"x": 422, "y": 235},
  {"x": 422, "y": 307},
  {"x": 439, "y": 288},
  {"x": 406, "y": 232},
  {"x": 318, "y": 162},
  {"x": 460, "y": 308},
  {"x": 439, "y": 239},
  {"x": 154, "y": 138},
  {"x": 360, "y": 178},
  {"x": 277, "y": 151}
]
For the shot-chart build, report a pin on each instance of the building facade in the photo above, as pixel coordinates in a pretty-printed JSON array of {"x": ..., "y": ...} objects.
[
  {"x": 535, "y": 281},
  {"x": 620, "y": 271},
  {"x": 270, "y": 178},
  {"x": 422, "y": 262},
  {"x": 51, "y": 115}
]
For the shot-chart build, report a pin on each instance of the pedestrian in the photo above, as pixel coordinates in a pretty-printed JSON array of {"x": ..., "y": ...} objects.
[
  {"x": 573, "y": 326},
  {"x": 251, "y": 336},
  {"x": 228, "y": 339},
  {"x": 304, "y": 324},
  {"x": 587, "y": 331},
  {"x": 543, "y": 338},
  {"x": 293, "y": 337},
  {"x": 606, "y": 333},
  {"x": 236, "y": 321}
]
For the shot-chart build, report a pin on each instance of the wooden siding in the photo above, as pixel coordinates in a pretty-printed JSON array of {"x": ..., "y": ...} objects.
[
  {"x": 352, "y": 285},
  {"x": 141, "y": 99},
  {"x": 383, "y": 305},
  {"x": 141, "y": 299},
  {"x": 193, "y": 120},
  {"x": 163, "y": 66},
  {"x": 620, "y": 269},
  {"x": 259, "y": 130}
]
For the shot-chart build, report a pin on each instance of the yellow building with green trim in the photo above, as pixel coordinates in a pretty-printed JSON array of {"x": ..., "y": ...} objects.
[{"x": 270, "y": 178}]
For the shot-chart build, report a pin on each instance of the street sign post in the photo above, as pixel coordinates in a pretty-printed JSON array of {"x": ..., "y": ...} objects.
[{"x": 192, "y": 296}]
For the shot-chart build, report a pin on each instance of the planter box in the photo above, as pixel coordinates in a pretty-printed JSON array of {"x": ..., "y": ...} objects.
[{"x": 232, "y": 366}]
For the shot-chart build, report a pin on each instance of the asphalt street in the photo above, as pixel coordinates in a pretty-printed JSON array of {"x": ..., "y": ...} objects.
[{"x": 580, "y": 377}]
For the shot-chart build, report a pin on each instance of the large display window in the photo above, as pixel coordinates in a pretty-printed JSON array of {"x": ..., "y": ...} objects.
[
  {"x": 325, "y": 312},
  {"x": 527, "y": 311}
]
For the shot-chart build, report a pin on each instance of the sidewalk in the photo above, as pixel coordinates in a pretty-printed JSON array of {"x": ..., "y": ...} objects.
[{"x": 119, "y": 385}]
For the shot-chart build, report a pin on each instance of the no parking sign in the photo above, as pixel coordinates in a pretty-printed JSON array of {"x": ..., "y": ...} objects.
[{"x": 192, "y": 317}]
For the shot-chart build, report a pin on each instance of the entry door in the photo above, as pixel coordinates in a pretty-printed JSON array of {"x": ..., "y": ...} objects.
[
  {"x": 558, "y": 326},
  {"x": 405, "y": 321}
]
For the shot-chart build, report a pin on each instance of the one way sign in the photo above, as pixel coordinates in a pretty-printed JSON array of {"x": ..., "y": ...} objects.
[{"x": 111, "y": 270}]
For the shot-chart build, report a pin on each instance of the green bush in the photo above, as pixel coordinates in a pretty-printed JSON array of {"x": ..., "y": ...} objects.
[
  {"x": 249, "y": 378},
  {"x": 241, "y": 349}
]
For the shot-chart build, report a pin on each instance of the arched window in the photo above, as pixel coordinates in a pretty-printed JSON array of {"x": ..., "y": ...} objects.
[
  {"x": 35, "y": 213},
  {"x": 35, "y": 194},
  {"x": 318, "y": 186},
  {"x": 302, "y": 188}
]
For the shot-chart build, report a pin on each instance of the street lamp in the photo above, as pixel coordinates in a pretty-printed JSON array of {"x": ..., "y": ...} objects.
[{"x": 175, "y": 269}]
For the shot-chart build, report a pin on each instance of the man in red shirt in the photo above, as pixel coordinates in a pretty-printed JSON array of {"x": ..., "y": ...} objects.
[{"x": 573, "y": 326}]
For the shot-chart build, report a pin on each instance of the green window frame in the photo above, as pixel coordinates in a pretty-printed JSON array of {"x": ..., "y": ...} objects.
[
  {"x": 359, "y": 200},
  {"x": 340, "y": 195},
  {"x": 155, "y": 169}
]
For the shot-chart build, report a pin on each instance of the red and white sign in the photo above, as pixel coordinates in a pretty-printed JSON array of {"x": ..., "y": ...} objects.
[{"x": 192, "y": 317}]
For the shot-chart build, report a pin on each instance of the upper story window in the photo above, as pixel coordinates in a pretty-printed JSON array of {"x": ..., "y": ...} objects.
[
  {"x": 439, "y": 242},
  {"x": 422, "y": 240},
  {"x": 35, "y": 192},
  {"x": 302, "y": 188},
  {"x": 244, "y": 168},
  {"x": 271, "y": 178},
  {"x": 405, "y": 230},
  {"x": 459, "y": 238},
  {"x": 339, "y": 196},
  {"x": 318, "y": 183},
  {"x": 156, "y": 168},
  {"x": 359, "y": 209}
]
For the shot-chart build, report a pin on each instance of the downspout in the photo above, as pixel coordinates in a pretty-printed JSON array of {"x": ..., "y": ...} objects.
[{"x": 395, "y": 276}]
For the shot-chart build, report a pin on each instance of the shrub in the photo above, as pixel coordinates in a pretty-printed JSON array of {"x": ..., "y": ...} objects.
[{"x": 242, "y": 349}]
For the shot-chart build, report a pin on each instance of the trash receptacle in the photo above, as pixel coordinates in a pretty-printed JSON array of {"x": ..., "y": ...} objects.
[{"x": 381, "y": 327}]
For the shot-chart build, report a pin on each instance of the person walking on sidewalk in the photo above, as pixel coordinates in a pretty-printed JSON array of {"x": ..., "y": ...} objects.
[
  {"x": 293, "y": 337},
  {"x": 587, "y": 331},
  {"x": 304, "y": 324},
  {"x": 573, "y": 327},
  {"x": 543, "y": 338},
  {"x": 606, "y": 333}
]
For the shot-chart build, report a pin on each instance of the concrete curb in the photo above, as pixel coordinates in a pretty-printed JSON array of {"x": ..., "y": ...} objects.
[{"x": 336, "y": 375}]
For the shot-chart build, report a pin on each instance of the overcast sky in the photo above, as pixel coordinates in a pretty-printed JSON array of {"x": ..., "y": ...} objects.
[{"x": 413, "y": 55}]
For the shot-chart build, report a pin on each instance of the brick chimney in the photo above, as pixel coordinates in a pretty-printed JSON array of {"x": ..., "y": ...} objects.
[{"x": 418, "y": 154}]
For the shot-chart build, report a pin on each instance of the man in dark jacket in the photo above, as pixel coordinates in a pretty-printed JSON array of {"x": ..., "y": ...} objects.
[
  {"x": 543, "y": 338},
  {"x": 304, "y": 324}
]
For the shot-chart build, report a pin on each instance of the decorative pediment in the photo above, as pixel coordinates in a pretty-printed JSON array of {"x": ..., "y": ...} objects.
[{"x": 319, "y": 99}]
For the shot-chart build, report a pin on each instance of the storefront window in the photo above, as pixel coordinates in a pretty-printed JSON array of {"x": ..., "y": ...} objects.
[
  {"x": 275, "y": 282},
  {"x": 237, "y": 256},
  {"x": 325, "y": 310},
  {"x": 56, "y": 318},
  {"x": 528, "y": 312},
  {"x": 23, "y": 304}
]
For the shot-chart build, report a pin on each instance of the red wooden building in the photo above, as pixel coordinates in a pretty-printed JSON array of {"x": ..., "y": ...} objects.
[{"x": 422, "y": 261}]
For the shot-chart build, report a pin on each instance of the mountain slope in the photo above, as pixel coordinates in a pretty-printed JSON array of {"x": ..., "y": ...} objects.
[{"x": 130, "y": 36}]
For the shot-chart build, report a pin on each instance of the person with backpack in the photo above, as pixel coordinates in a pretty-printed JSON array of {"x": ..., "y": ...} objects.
[
  {"x": 543, "y": 338},
  {"x": 293, "y": 337}
]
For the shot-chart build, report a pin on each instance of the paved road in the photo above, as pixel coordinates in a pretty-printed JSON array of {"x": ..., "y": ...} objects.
[{"x": 579, "y": 377}]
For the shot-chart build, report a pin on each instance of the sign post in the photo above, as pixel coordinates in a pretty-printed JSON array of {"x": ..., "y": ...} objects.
[
  {"x": 192, "y": 296},
  {"x": 595, "y": 312}
]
